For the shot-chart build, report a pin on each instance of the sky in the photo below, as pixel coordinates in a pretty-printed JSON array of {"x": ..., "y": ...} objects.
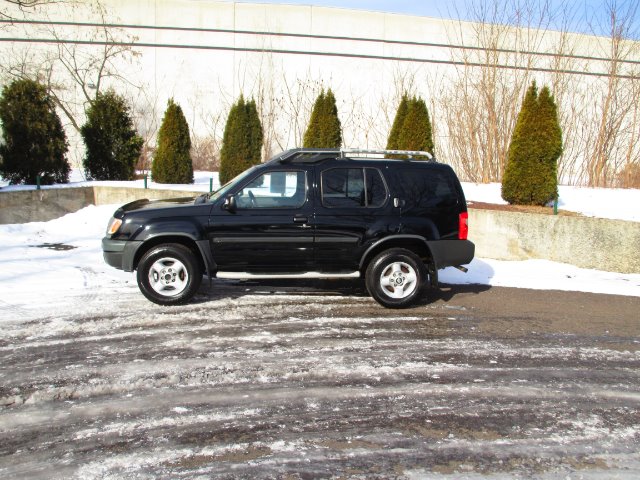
[{"x": 585, "y": 16}]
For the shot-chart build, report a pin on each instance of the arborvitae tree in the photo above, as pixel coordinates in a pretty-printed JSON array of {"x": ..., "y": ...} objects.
[
  {"x": 551, "y": 133},
  {"x": 398, "y": 121},
  {"x": 324, "y": 129},
  {"x": 530, "y": 177},
  {"x": 172, "y": 162},
  {"x": 416, "y": 128},
  {"x": 411, "y": 128},
  {"x": 113, "y": 146},
  {"x": 242, "y": 140},
  {"x": 34, "y": 143}
]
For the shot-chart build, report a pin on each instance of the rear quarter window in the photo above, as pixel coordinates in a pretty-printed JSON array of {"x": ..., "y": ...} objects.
[{"x": 426, "y": 188}]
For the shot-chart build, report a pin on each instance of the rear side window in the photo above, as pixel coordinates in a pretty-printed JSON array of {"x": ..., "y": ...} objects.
[
  {"x": 353, "y": 187},
  {"x": 424, "y": 188}
]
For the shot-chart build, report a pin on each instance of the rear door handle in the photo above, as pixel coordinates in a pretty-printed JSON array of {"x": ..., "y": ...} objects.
[{"x": 298, "y": 219}]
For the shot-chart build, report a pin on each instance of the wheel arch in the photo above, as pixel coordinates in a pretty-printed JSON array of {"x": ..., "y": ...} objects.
[
  {"x": 414, "y": 243},
  {"x": 199, "y": 248}
]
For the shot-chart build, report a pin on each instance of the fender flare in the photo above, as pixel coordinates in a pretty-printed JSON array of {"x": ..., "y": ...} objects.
[
  {"x": 375, "y": 245},
  {"x": 170, "y": 229}
]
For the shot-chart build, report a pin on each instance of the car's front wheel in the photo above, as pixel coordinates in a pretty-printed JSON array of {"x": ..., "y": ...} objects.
[
  {"x": 395, "y": 278},
  {"x": 169, "y": 274}
]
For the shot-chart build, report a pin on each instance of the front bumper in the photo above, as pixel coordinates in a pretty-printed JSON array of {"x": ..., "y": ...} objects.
[{"x": 120, "y": 254}]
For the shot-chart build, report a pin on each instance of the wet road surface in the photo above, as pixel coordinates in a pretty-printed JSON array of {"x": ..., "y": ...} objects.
[{"x": 283, "y": 380}]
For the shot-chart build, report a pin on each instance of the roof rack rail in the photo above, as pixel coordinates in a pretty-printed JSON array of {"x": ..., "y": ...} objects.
[
  {"x": 307, "y": 155},
  {"x": 313, "y": 155},
  {"x": 409, "y": 153}
]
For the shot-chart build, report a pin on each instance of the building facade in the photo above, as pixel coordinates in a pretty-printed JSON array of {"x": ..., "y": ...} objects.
[{"x": 205, "y": 54}]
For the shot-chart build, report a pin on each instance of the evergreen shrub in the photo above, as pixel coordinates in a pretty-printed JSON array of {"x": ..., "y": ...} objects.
[
  {"x": 324, "y": 129},
  {"x": 172, "y": 161},
  {"x": 242, "y": 140},
  {"x": 411, "y": 129},
  {"x": 113, "y": 146},
  {"x": 34, "y": 143},
  {"x": 530, "y": 176}
]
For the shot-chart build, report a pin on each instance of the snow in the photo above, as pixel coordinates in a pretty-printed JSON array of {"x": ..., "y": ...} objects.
[
  {"x": 614, "y": 203},
  {"x": 59, "y": 265},
  {"x": 202, "y": 182}
]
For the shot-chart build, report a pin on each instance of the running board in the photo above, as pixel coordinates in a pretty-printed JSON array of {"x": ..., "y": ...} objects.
[{"x": 245, "y": 275}]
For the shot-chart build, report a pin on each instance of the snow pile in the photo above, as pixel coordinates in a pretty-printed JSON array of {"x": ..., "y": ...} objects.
[{"x": 53, "y": 262}]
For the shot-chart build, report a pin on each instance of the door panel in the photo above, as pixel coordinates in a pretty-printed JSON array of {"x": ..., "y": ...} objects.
[
  {"x": 270, "y": 230},
  {"x": 351, "y": 213}
]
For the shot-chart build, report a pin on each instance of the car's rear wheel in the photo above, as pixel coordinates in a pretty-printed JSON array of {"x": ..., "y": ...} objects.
[
  {"x": 169, "y": 274},
  {"x": 395, "y": 278}
]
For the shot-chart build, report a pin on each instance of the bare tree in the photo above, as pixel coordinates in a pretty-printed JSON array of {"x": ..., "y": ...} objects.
[
  {"x": 493, "y": 70},
  {"x": 615, "y": 102},
  {"x": 296, "y": 103},
  {"x": 79, "y": 63},
  {"x": 8, "y": 12}
]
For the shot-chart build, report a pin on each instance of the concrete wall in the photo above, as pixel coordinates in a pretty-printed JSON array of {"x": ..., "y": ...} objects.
[
  {"x": 49, "y": 203},
  {"x": 122, "y": 195},
  {"x": 42, "y": 205},
  {"x": 596, "y": 243}
]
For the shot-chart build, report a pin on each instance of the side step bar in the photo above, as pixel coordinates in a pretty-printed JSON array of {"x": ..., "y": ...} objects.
[{"x": 245, "y": 275}]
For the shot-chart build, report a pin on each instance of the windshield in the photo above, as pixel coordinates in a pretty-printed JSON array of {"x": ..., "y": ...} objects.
[{"x": 222, "y": 191}]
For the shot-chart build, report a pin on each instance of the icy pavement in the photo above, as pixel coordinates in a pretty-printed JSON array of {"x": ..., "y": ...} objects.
[
  {"x": 310, "y": 379},
  {"x": 278, "y": 380}
]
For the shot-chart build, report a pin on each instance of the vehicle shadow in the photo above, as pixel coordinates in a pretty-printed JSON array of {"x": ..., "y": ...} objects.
[
  {"x": 447, "y": 292},
  {"x": 236, "y": 289}
]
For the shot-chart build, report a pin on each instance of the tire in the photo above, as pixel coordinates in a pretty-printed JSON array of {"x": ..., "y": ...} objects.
[
  {"x": 169, "y": 274},
  {"x": 396, "y": 278}
]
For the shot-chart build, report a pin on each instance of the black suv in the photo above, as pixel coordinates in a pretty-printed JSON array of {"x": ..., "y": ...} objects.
[{"x": 303, "y": 214}]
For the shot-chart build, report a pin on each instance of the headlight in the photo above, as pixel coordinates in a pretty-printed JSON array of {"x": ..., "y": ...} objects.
[{"x": 114, "y": 225}]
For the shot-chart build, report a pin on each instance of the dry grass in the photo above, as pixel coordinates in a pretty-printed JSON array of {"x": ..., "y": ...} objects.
[{"x": 520, "y": 209}]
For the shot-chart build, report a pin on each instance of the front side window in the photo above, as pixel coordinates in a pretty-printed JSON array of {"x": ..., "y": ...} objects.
[
  {"x": 282, "y": 189},
  {"x": 353, "y": 187}
]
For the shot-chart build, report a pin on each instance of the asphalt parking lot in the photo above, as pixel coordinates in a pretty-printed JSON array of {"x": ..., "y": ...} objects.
[{"x": 279, "y": 380}]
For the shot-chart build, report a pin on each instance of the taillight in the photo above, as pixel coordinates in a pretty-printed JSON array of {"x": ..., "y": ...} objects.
[{"x": 463, "y": 226}]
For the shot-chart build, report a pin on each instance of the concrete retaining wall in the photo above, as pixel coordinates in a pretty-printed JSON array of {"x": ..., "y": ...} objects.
[
  {"x": 122, "y": 195},
  {"x": 596, "y": 243},
  {"x": 49, "y": 203},
  {"x": 42, "y": 205}
]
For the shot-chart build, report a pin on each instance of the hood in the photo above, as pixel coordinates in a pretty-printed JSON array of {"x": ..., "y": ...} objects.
[{"x": 146, "y": 204}]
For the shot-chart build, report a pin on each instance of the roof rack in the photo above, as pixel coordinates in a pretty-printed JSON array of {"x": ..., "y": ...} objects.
[
  {"x": 313, "y": 155},
  {"x": 307, "y": 155},
  {"x": 409, "y": 153}
]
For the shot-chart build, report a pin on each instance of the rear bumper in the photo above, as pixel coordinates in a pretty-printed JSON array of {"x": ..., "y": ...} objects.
[
  {"x": 449, "y": 253},
  {"x": 120, "y": 254}
]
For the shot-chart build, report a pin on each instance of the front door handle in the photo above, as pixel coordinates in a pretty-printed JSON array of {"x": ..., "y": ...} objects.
[{"x": 298, "y": 219}]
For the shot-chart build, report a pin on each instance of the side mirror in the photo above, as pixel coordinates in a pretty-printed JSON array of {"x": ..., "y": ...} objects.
[{"x": 230, "y": 204}]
